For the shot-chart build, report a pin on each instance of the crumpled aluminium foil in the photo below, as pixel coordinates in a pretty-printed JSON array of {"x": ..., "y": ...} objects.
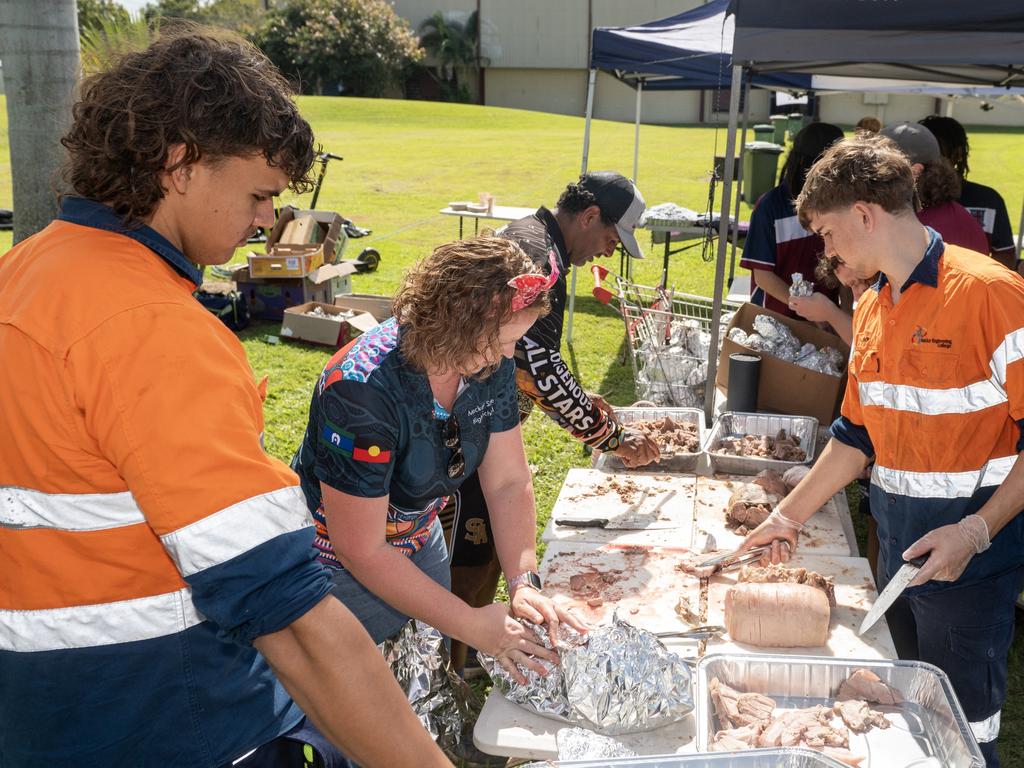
[
  {"x": 581, "y": 744},
  {"x": 799, "y": 286},
  {"x": 618, "y": 679},
  {"x": 543, "y": 693},
  {"x": 441, "y": 699},
  {"x": 773, "y": 338}
]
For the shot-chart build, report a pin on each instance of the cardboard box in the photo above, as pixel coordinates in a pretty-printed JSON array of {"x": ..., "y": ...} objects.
[
  {"x": 785, "y": 387},
  {"x": 268, "y": 299},
  {"x": 325, "y": 244},
  {"x": 302, "y": 230},
  {"x": 323, "y": 330},
  {"x": 378, "y": 306}
]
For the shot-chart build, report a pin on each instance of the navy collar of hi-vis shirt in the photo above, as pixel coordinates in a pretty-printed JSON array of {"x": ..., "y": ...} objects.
[
  {"x": 927, "y": 270},
  {"x": 89, "y": 213}
]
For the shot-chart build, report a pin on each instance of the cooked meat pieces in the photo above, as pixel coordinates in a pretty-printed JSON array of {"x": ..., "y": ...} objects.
[
  {"x": 865, "y": 685},
  {"x": 748, "y": 507},
  {"x": 671, "y": 436},
  {"x": 768, "y": 574},
  {"x": 794, "y": 475},
  {"x": 736, "y": 709},
  {"x": 777, "y": 606},
  {"x": 858, "y": 716},
  {"x": 782, "y": 447},
  {"x": 772, "y": 482},
  {"x": 812, "y": 726},
  {"x": 732, "y": 739}
]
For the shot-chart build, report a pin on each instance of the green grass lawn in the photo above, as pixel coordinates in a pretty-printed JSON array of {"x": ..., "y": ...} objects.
[{"x": 405, "y": 160}]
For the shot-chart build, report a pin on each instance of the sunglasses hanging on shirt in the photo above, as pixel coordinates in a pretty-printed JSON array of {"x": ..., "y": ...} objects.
[{"x": 453, "y": 440}]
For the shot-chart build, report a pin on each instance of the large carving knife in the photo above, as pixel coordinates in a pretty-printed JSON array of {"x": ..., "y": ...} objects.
[{"x": 892, "y": 590}]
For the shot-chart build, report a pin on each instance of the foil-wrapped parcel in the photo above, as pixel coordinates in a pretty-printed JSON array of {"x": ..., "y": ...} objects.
[
  {"x": 442, "y": 700},
  {"x": 616, "y": 679},
  {"x": 800, "y": 286},
  {"x": 774, "y": 338}
]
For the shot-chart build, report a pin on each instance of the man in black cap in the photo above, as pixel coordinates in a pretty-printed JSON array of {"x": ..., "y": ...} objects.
[{"x": 592, "y": 217}]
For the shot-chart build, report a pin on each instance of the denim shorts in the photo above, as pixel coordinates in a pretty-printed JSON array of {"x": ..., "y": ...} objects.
[{"x": 378, "y": 618}]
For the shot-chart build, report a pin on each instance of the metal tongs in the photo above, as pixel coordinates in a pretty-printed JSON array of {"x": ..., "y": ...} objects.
[
  {"x": 732, "y": 560},
  {"x": 696, "y": 633}
]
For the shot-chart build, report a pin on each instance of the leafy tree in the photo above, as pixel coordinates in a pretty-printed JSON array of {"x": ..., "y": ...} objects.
[
  {"x": 454, "y": 46},
  {"x": 361, "y": 44},
  {"x": 242, "y": 16},
  {"x": 94, "y": 13}
]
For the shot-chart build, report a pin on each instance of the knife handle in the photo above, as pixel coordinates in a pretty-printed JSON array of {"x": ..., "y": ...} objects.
[
  {"x": 598, "y": 522},
  {"x": 918, "y": 561}
]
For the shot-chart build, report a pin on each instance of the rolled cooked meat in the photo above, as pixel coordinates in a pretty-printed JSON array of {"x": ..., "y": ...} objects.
[{"x": 778, "y": 607}]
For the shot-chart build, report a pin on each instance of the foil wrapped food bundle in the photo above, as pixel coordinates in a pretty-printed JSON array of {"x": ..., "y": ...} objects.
[
  {"x": 773, "y": 338},
  {"x": 800, "y": 286},
  {"x": 617, "y": 679},
  {"x": 442, "y": 700}
]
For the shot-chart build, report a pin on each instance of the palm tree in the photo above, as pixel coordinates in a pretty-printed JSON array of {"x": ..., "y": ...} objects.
[
  {"x": 454, "y": 45},
  {"x": 110, "y": 37},
  {"x": 39, "y": 47}
]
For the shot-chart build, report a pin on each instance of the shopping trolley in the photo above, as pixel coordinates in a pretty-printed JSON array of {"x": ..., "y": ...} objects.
[{"x": 668, "y": 335}]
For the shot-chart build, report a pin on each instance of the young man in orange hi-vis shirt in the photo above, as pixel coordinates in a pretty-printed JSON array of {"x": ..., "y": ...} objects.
[
  {"x": 160, "y": 604},
  {"x": 936, "y": 396}
]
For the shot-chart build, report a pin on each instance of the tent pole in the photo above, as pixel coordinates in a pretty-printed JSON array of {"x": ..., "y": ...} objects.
[
  {"x": 723, "y": 236},
  {"x": 636, "y": 131},
  {"x": 739, "y": 182},
  {"x": 1020, "y": 233},
  {"x": 583, "y": 169}
]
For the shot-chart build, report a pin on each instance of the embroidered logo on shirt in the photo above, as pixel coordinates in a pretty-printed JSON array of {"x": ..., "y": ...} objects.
[
  {"x": 347, "y": 444},
  {"x": 921, "y": 337},
  {"x": 476, "y": 531}
]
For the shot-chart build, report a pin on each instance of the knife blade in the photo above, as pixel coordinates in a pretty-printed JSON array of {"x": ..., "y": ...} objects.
[
  {"x": 892, "y": 590},
  {"x": 619, "y": 524}
]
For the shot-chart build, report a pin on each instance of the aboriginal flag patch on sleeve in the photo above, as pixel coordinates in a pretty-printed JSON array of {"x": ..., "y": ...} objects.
[{"x": 353, "y": 446}]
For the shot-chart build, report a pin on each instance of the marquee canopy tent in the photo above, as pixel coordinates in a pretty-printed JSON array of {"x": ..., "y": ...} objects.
[{"x": 957, "y": 41}]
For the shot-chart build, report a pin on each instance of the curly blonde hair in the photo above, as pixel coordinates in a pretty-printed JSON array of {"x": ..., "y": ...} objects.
[{"x": 457, "y": 296}]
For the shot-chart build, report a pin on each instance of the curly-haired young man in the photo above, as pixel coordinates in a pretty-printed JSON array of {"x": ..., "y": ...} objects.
[
  {"x": 160, "y": 599},
  {"x": 936, "y": 396}
]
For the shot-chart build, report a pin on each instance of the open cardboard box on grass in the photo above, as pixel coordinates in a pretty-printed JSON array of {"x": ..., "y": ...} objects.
[
  {"x": 324, "y": 242},
  {"x": 785, "y": 387},
  {"x": 378, "y": 306},
  {"x": 297, "y": 324}
]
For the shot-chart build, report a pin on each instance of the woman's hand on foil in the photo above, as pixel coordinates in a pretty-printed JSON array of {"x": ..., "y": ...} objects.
[
  {"x": 538, "y": 608},
  {"x": 498, "y": 634}
]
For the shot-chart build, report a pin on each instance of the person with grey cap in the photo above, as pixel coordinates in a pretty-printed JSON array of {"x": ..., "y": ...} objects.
[
  {"x": 593, "y": 215},
  {"x": 938, "y": 187}
]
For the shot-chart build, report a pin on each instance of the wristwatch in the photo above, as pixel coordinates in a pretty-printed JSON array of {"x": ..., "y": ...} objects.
[{"x": 526, "y": 579}]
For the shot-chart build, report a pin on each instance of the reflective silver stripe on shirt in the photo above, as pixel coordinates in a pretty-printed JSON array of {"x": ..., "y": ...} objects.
[
  {"x": 23, "y": 508},
  {"x": 942, "y": 485},
  {"x": 232, "y": 531},
  {"x": 88, "y": 626}
]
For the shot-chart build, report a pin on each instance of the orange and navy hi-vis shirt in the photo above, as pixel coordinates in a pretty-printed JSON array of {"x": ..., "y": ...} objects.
[
  {"x": 146, "y": 539},
  {"x": 936, "y": 395}
]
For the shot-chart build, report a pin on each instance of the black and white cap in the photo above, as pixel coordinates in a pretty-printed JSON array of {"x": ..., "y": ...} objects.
[{"x": 619, "y": 200}]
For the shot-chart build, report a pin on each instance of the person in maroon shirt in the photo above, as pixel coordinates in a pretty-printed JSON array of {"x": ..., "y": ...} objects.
[{"x": 938, "y": 187}]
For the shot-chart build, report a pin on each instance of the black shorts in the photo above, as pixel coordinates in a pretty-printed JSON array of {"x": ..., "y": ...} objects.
[{"x": 467, "y": 525}]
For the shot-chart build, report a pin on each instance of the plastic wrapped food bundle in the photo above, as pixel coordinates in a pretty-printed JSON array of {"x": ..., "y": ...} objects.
[
  {"x": 799, "y": 286},
  {"x": 618, "y": 679}
]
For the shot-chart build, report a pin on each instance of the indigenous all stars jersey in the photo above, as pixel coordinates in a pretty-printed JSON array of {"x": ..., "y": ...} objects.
[
  {"x": 543, "y": 378},
  {"x": 374, "y": 431}
]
